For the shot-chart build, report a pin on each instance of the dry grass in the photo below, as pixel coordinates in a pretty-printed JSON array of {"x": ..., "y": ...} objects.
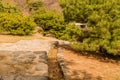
[{"x": 11, "y": 38}]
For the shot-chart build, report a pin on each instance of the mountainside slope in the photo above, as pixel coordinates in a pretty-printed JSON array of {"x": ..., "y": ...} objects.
[
  {"x": 21, "y": 4},
  {"x": 53, "y": 4}
]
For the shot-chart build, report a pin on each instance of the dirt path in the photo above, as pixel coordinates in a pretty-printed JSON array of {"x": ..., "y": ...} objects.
[
  {"x": 54, "y": 69},
  {"x": 89, "y": 68}
]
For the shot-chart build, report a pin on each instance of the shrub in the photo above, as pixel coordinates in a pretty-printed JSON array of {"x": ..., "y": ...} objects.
[
  {"x": 50, "y": 21},
  {"x": 34, "y": 6},
  {"x": 72, "y": 33},
  {"x": 16, "y": 24},
  {"x": 5, "y": 7},
  {"x": 103, "y": 21}
]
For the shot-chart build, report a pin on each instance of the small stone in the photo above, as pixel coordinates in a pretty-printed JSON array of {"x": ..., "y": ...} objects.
[
  {"x": 35, "y": 78},
  {"x": 26, "y": 58},
  {"x": 49, "y": 35},
  {"x": 9, "y": 77},
  {"x": 41, "y": 66},
  {"x": 19, "y": 78},
  {"x": 43, "y": 56},
  {"x": 55, "y": 44},
  {"x": 40, "y": 52},
  {"x": 43, "y": 61}
]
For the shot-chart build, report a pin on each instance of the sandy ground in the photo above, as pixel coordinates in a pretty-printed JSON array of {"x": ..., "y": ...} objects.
[
  {"x": 90, "y": 68},
  {"x": 12, "y": 39}
]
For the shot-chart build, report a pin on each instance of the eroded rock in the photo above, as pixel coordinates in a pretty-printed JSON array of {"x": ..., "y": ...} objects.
[{"x": 23, "y": 65}]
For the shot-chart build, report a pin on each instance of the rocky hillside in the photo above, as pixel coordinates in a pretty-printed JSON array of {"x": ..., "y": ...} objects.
[
  {"x": 21, "y": 4},
  {"x": 52, "y": 4}
]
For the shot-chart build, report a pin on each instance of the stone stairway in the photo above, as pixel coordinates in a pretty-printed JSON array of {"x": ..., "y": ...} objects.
[
  {"x": 24, "y": 60},
  {"x": 27, "y": 59}
]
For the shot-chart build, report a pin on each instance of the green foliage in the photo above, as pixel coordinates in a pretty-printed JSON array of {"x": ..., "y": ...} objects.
[
  {"x": 36, "y": 5},
  {"x": 79, "y": 10},
  {"x": 16, "y": 24},
  {"x": 103, "y": 21},
  {"x": 50, "y": 21},
  {"x": 72, "y": 33},
  {"x": 4, "y": 7}
]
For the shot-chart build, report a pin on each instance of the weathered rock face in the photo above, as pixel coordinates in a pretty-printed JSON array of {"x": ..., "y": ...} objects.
[
  {"x": 25, "y": 59},
  {"x": 61, "y": 61},
  {"x": 16, "y": 77},
  {"x": 53, "y": 4},
  {"x": 23, "y": 65},
  {"x": 27, "y": 45}
]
